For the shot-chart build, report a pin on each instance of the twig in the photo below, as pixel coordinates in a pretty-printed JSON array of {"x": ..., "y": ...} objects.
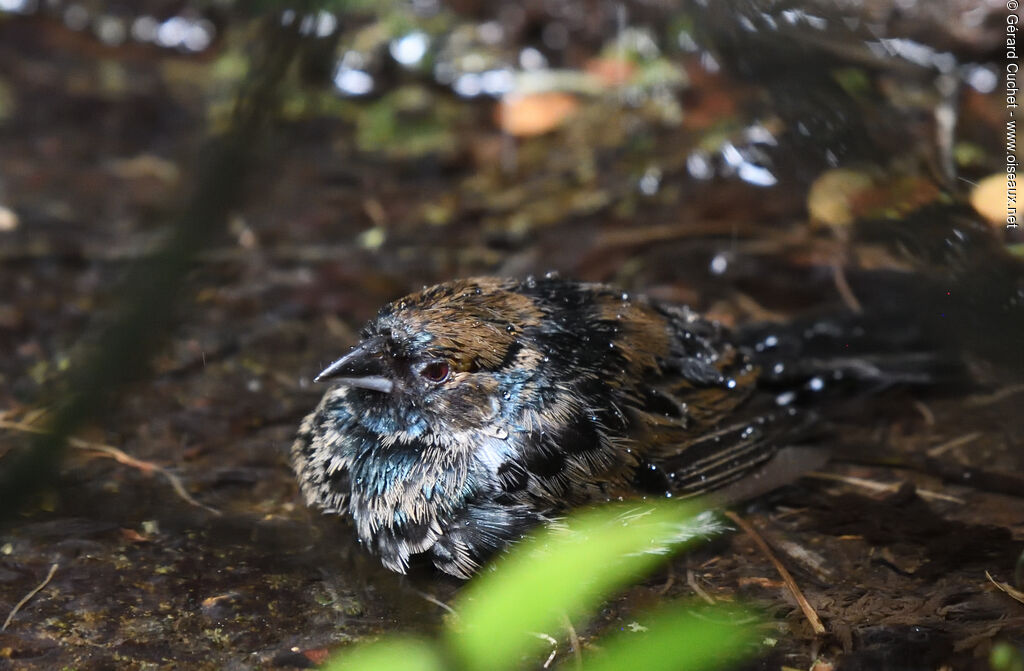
[
  {"x": 375, "y": 211},
  {"x": 995, "y": 397},
  {"x": 875, "y": 486},
  {"x": 939, "y": 450},
  {"x": 805, "y": 605},
  {"x": 1008, "y": 589},
  {"x": 691, "y": 580},
  {"x": 926, "y": 412},
  {"x": 121, "y": 457},
  {"x": 28, "y": 597},
  {"x": 554, "y": 647},
  {"x": 843, "y": 287},
  {"x": 671, "y": 580},
  {"x": 574, "y": 641},
  {"x": 437, "y": 602}
]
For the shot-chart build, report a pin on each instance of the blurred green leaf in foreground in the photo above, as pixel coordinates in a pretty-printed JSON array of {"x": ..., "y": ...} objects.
[{"x": 567, "y": 570}]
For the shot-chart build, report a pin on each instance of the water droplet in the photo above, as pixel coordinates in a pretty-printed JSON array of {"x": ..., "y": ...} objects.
[
  {"x": 650, "y": 181},
  {"x": 699, "y": 165},
  {"x": 611, "y": 345},
  {"x": 816, "y": 384},
  {"x": 730, "y": 383},
  {"x": 410, "y": 49},
  {"x": 510, "y": 328},
  {"x": 625, "y": 296},
  {"x": 532, "y": 59},
  {"x": 719, "y": 264},
  {"x": 757, "y": 175},
  {"x": 778, "y": 368},
  {"x": 477, "y": 291},
  {"x": 352, "y": 82},
  {"x": 531, "y": 282}
]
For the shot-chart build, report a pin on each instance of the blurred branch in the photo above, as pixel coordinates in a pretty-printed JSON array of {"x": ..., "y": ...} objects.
[{"x": 151, "y": 287}]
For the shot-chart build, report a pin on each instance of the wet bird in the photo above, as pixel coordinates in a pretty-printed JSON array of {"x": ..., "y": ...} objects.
[{"x": 476, "y": 409}]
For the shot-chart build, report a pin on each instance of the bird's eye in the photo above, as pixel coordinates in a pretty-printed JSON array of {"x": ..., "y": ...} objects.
[{"x": 436, "y": 371}]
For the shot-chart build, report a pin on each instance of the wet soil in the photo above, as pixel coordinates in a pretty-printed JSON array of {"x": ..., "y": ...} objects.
[{"x": 99, "y": 143}]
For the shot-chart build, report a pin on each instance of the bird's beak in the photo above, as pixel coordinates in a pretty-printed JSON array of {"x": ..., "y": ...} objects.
[{"x": 363, "y": 367}]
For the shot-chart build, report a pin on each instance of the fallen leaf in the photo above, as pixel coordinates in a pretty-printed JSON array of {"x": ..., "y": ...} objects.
[
  {"x": 535, "y": 114},
  {"x": 988, "y": 198},
  {"x": 610, "y": 71},
  {"x": 831, "y": 198}
]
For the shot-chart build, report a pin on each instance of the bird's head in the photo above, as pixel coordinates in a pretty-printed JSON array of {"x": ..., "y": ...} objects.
[{"x": 446, "y": 359}]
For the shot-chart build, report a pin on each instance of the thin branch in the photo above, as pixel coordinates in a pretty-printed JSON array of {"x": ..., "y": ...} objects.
[
  {"x": 574, "y": 641},
  {"x": 995, "y": 397},
  {"x": 691, "y": 580},
  {"x": 430, "y": 598},
  {"x": 121, "y": 457},
  {"x": 875, "y": 486},
  {"x": 939, "y": 450},
  {"x": 554, "y": 647},
  {"x": 844, "y": 289},
  {"x": 787, "y": 578},
  {"x": 1006, "y": 588},
  {"x": 28, "y": 597},
  {"x": 926, "y": 412}
]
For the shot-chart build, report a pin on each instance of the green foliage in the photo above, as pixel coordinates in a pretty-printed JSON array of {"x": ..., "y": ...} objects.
[
  {"x": 406, "y": 653},
  {"x": 1004, "y": 657},
  {"x": 567, "y": 570},
  {"x": 678, "y": 637},
  {"x": 407, "y": 123}
]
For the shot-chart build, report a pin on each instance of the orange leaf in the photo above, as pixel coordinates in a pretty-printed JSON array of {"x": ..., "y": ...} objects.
[{"x": 535, "y": 114}]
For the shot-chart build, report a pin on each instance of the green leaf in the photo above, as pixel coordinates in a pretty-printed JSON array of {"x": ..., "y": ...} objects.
[
  {"x": 678, "y": 638},
  {"x": 1005, "y": 658},
  {"x": 406, "y": 653},
  {"x": 564, "y": 570}
]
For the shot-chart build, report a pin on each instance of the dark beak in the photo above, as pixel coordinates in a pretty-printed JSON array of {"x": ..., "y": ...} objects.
[{"x": 363, "y": 367}]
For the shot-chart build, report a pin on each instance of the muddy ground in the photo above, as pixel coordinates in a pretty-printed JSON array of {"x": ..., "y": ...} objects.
[{"x": 687, "y": 170}]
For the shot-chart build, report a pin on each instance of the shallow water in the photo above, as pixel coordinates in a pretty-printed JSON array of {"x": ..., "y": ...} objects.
[{"x": 686, "y": 153}]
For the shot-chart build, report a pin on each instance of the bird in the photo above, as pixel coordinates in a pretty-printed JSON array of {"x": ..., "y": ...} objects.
[{"x": 476, "y": 409}]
